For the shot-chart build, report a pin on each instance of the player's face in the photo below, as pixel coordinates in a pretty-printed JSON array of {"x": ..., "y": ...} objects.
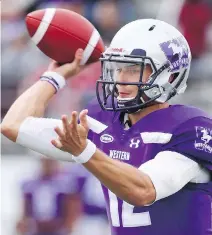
[
  {"x": 49, "y": 166},
  {"x": 131, "y": 74}
]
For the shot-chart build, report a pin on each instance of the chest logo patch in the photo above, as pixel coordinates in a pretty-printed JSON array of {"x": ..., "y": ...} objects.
[{"x": 106, "y": 138}]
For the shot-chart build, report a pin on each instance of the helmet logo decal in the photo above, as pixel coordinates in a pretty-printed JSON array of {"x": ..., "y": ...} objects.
[{"x": 176, "y": 51}]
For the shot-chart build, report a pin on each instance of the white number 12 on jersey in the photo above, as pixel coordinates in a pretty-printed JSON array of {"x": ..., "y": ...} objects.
[{"x": 129, "y": 219}]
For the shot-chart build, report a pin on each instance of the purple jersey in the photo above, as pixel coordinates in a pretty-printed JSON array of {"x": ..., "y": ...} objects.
[
  {"x": 89, "y": 188},
  {"x": 179, "y": 128},
  {"x": 45, "y": 198}
]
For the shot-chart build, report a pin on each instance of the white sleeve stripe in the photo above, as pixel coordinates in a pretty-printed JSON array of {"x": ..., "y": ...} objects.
[
  {"x": 171, "y": 171},
  {"x": 155, "y": 137},
  {"x": 95, "y": 125}
]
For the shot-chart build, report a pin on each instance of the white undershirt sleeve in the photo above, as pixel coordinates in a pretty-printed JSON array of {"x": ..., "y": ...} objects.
[
  {"x": 37, "y": 133},
  {"x": 171, "y": 171}
]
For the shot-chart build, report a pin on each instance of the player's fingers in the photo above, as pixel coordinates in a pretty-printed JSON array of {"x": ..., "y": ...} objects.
[
  {"x": 75, "y": 67},
  {"x": 73, "y": 123},
  {"x": 78, "y": 57},
  {"x": 57, "y": 144},
  {"x": 66, "y": 128},
  {"x": 83, "y": 119},
  {"x": 53, "y": 65},
  {"x": 59, "y": 132}
]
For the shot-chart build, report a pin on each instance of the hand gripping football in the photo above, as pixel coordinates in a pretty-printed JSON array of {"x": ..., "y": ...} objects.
[{"x": 58, "y": 33}]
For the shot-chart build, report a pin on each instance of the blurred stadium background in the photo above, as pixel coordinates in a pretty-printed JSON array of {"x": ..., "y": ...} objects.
[{"x": 22, "y": 64}]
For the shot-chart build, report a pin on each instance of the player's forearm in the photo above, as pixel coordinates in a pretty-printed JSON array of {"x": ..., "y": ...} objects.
[
  {"x": 128, "y": 183},
  {"x": 32, "y": 102}
]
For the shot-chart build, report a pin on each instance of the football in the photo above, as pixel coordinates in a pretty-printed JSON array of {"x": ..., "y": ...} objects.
[{"x": 58, "y": 33}]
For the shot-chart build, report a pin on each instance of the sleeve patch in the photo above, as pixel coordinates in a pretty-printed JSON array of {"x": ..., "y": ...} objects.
[{"x": 203, "y": 139}]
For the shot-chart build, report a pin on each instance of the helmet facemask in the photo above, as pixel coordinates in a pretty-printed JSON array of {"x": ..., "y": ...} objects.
[{"x": 107, "y": 86}]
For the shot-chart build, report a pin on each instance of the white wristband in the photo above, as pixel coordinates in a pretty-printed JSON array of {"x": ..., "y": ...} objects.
[
  {"x": 58, "y": 80},
  {"x": 86, "y": 154}
]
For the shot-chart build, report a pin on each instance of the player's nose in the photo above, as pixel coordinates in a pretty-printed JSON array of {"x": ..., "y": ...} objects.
[{"x": 122, "y": 77}]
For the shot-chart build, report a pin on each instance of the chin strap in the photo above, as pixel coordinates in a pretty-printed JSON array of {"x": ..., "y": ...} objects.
[{"x": 127, "y": 102}]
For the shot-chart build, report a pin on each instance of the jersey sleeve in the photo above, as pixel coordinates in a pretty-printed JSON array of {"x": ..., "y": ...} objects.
[
  {"x": 170, "y": 171},
  {"x": 193, "y": 139}
]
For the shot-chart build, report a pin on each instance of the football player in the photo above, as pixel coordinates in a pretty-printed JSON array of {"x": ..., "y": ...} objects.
[
  {"x": 48, "y": 202},
  {"x": 153, "y": 159}
]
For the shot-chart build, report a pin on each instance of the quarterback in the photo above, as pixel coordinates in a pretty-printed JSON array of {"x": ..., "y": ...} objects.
[{"x": 154, "y": 160}]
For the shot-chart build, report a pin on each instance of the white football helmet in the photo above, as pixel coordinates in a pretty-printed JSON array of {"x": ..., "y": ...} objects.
[{"x": 141, "y": 42}]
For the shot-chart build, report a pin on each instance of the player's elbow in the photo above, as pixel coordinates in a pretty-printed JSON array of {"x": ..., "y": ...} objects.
[
  {"x": 144, "y": 196},
  {"x": 9, "y": 130},
  {"x": 144, "y": 192}
]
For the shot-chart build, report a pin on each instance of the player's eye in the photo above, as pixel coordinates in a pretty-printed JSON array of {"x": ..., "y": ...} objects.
[
  {"x": 136, "y": 71},
  {"x": 133, "y": 71}
]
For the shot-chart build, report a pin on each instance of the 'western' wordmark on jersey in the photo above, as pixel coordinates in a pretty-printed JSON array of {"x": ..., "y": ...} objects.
[{"x": 182, "y": 129}]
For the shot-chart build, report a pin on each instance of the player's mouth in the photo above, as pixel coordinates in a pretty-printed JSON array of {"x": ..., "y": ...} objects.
[{"x": 124, "y": 95}]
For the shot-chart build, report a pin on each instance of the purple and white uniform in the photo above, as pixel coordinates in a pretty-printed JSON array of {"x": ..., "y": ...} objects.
[
  {"x": 182, "y": 129},
  {"x": 45, "y": 202}
]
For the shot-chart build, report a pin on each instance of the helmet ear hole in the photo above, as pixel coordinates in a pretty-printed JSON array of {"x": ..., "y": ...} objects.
[
  {"x": 173, "y": 77},
  {"x": 152, "y": 27}
]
